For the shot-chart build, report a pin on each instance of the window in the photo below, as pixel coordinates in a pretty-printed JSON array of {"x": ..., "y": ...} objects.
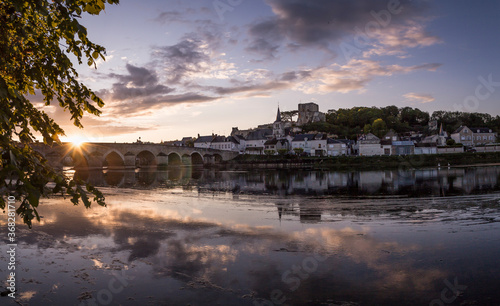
[
  {"x": 319, "y": 145},
  {"x": 491, "y": 137},
  {"x": 463, "y": 137},
  {"x": 485, "y": 137}
]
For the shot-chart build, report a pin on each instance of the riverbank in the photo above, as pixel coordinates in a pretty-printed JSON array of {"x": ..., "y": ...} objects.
[{"x": 361, "y": 162}]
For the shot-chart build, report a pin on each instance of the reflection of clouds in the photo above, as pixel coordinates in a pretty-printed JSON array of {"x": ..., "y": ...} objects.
[
  {"x": 233, "y": 255},
  {"x": 386, "y": 259}
]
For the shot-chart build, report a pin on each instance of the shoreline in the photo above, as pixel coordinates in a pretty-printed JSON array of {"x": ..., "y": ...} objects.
[{"x": 247, "y": 162}]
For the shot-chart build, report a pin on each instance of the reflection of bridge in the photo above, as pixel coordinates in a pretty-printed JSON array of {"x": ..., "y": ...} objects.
[{"x": 128, "y": 155}]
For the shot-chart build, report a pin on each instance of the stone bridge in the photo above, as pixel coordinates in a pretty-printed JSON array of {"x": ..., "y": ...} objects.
[{"x": 128, "y": 155}]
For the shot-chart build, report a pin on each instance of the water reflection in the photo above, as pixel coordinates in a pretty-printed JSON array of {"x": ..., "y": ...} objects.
[
  {"x": 412, "y": 183},
  {"x": 179, "y": 249}
]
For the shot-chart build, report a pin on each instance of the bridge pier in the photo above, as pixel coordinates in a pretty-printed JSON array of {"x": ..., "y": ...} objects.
[
  {"x": 95, "y": 162},
  {"x": 208, "y": 160},
  {"x": 162, "y": 159},
  {"x": 129, "y": 161},
  {"x": 186, "y": 160}
]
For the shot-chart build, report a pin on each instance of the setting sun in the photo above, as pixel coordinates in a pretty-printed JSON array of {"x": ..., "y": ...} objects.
[{"x": 76, "y": 140}]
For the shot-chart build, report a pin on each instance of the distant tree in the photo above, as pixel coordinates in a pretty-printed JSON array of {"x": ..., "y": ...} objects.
[
  {"x": 190, "y": 143},
  {"x": 288, "y": 115},
  {"x": 35, "y": 38},
  {"x": 379, "y": 127},
  {"x": 367, "y": 128},
  {"x": 450, "y": 142}
]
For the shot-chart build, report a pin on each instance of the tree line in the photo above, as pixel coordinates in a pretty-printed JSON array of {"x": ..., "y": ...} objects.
[{"x": 350, "y": 122}]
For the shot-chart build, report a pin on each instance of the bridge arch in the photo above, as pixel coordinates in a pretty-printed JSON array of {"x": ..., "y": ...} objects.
[
  {"x": 113, "y": 160},
  {"x": 174, "y": 159},
  {"x": 217, "y": 158},
  {"x": 75, "y": 159},
  {"x": 196, "y": 158},
  {"x": 145, "y": 159}
]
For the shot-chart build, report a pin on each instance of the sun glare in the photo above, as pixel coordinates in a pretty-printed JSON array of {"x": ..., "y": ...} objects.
[{"x": 76, "y": 140}]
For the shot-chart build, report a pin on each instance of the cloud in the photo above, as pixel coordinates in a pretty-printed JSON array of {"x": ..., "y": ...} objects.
[
  {"x": 170, "y": 16},
  {"x": 138, "y": 83},
  {"x": 188, "y": 56},
  {"x": 257, "y": 88},
  {"x": 139, "y": 92},
  {"x": 355, "y": 75},
  {"x": 420, "y": 98},
  {"x": 396, "y": 39},
  {"x": 321, "y": 24},
  {"x": 266, "y": 38}
]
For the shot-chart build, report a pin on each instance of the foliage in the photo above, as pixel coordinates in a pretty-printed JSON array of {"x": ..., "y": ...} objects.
[
  {"x": 350, "y": 122},
  {"x": 282, "y": 152},
  {"x": 288, "y": 115},
  {"x": 367, "y": 128},
  {"x": 190, "y": 143},
  {"x": 450, "y": 142},
  {"x": 298, "y": 151},
  {"x": 379, "y": 127},
  {"x": 453, "y": 120},
  {"x": 35, "y": 41},
  {"x": 269, "y": 152}
]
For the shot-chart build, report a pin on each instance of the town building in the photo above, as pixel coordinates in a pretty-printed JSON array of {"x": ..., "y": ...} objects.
[
  {"x": 483, "y": 136},
  {"x": 256, "y": 139},
  {"x": 403, "y": 147},
  {"x": 312, "y": 144},
  {"x": 391, "y": 135},
  {"x": 369, "y": 145},
  {"x": 425, "y": 148},
  {"x": 273, "y": 146},
  {"x": 386, "y": 145},
  {"x": 203, "y": 142},
  {"x": 439, "y": 139},
  {"x": 463, "y": 135},
  {"x": 336, "y": 147},
  {"x": 225, "y": 143}
]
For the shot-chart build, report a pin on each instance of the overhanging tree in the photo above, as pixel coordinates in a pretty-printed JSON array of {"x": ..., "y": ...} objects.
[{"x": 36, "y": 39}]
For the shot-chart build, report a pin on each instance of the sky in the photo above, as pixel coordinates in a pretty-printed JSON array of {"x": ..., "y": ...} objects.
[{"x": 183, "y": 68}]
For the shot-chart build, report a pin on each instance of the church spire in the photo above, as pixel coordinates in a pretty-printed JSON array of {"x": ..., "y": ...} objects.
[{"x": 278, "y": 115}]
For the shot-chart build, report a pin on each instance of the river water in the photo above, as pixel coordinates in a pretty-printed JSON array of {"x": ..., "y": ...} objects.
[{"x": 205, "y": 237}]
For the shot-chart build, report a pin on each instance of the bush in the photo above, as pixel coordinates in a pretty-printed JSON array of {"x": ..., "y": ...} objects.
[
  {"x": 298, "y": 151},
  {"x": 282, "y": 152}
]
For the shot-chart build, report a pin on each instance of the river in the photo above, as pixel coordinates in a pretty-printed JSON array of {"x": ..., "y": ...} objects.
[{"x": 191, "y": 236}]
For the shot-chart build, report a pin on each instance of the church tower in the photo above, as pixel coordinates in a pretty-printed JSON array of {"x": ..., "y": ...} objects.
[{"x": 278, "y": 126}]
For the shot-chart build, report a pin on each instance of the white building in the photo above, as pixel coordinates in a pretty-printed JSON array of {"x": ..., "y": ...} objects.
[
  {"x": 336, "y": 147},
  {"x": 256, "y": 139},
  {"x": 425, "y": 148},
  {"x": 203, "y": 141},
  {"x": 225, "y": 143},
  {"x": 369, "y": 145},
  {"x": 312, "y": 144}
]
